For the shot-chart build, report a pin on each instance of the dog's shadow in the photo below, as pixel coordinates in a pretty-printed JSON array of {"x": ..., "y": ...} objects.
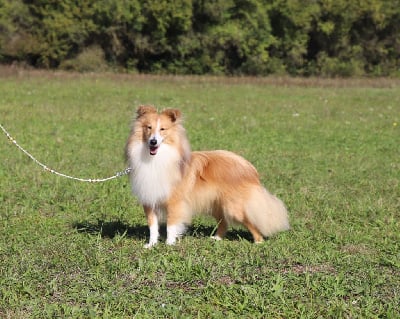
[{"x": 111, "y": 229}]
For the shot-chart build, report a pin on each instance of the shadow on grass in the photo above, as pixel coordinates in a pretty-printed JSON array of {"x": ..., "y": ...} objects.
[{"x": 110, "y": 229}]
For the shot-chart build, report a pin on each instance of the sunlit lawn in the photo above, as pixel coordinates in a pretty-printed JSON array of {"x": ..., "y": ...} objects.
[{"x": 328, "y": 148}]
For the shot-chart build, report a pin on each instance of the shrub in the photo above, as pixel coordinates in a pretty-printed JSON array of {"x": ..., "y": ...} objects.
[
  {"x": 91, "y": 59},
  {"x": 255, "y": 37}
]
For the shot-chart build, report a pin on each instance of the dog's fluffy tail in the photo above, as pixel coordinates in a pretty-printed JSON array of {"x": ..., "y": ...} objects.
[{"x": 267, "y": 212}]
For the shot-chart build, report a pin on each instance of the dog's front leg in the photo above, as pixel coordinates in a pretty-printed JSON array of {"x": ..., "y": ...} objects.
[
  {"x": 152, "y": 222},
  {"x": 176, "y": 218},
  {"x": 175, "y": 231}
]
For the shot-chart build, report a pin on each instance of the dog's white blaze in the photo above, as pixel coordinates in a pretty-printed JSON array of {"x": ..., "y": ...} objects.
[{"x": 157, "y": 136}]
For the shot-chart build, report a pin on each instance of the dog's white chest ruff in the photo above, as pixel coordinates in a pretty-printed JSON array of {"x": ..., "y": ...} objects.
[{"x": 153, "y": 176}]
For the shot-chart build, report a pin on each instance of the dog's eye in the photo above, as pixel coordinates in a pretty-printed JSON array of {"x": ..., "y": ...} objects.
[
  {"x": 149, "y": 127},
  {"x": 162, "y": 129}
]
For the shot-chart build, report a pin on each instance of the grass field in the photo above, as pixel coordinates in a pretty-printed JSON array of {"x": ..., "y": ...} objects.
[{"x": 330, "y": 149}]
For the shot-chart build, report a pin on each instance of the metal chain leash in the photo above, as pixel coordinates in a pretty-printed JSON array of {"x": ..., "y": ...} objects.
[{"x": 46, "y": 168}]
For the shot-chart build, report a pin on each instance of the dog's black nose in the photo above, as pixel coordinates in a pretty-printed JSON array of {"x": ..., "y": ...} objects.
[{"x": 153, "y": 142}]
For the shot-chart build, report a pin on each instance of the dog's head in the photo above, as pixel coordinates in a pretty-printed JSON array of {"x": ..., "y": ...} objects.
[{"x": 157, "y": 128}]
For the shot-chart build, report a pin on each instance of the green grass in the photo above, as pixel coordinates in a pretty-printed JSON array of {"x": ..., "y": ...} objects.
[{"x": 329, "y": 149}]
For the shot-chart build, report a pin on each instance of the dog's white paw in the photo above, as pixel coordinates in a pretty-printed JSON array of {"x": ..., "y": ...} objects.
[
  {"x": 150, "y": 244},
  {"x": 171, "y": 241},
  {"x": 174, "y": 232},
  {"x": 216, "y": 237}
]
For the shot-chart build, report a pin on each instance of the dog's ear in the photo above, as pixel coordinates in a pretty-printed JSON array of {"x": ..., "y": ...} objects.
[
  {"x": 143, "y": 109},
  {"x": 173, "y": 114}
]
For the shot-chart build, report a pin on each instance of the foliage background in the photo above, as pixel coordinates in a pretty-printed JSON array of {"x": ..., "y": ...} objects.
[{"x": 234, "y": 37}]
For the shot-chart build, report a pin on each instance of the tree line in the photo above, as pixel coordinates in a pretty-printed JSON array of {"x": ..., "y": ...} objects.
[{"x": 232, "y": 37}]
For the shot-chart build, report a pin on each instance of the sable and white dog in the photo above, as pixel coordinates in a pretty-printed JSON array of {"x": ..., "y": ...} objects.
[{"x": 172, "y": 182}]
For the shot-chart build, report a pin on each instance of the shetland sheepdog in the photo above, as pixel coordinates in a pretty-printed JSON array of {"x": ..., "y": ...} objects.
[{"x": 173, "y": 183}]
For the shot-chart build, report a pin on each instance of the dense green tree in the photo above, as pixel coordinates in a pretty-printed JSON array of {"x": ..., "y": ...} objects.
[{"x": 256, "y": 37}]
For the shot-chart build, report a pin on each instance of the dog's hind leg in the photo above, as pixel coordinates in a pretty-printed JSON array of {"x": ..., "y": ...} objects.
[
  {"x": 257, "y": 236},
  {"x": 236, "y": 213},
  {"x": 222, "y": 224}
]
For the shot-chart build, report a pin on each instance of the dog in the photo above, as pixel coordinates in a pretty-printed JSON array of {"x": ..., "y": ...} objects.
[{"x": 172, "y": 182}]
